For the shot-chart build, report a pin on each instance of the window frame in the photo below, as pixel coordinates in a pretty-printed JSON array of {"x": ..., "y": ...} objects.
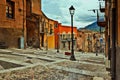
[{"x": 10, "y": 9}]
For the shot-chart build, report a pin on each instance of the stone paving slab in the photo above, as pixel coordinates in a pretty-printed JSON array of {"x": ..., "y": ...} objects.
[
  {"x": 5, "y": 51},
  {"x": 80, "y": 71},
  {"x": 54, "y": 58},
  {"x": 35, "y": 56},
  {"x": 14, "y": 61},
  {"x": 98, "y": 78}
]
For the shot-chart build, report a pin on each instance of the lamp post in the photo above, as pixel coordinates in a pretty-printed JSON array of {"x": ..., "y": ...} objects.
[
  {"x": 72, "y": 9},
  {"x": 58, "y": 43},
  {"x": 24, "y": 46}
]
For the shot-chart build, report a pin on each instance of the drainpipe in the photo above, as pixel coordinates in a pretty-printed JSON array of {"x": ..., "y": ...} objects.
[
  {"x": 39, "y": 32},
  {"x": 113, "y": 54},
  {"x": 23, "y": 26},
  {"x": 109, "y": 50}
]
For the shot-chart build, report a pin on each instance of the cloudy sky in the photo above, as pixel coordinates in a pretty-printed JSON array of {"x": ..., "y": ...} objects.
[{"x": 59, "y": 10}]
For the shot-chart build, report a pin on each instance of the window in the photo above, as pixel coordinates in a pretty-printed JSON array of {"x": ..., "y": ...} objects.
[
  {"x": 42, "y": 27},
  {"x": 80, "y": 35},
  {"x": 94, "y": 36},
  {"x": 51, "y": 30},
  {"x": 10, "y": 9},
  {"x": 64, "y": 36},
  {"x": 63, "y": 44},
  {"x": 60, "y": 36},
  {"x": 69, "y": 36},
  {"x": 56, "y": 25}
]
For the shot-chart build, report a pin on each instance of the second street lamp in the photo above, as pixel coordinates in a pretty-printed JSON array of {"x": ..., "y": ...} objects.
[
  {"x": 72, "y": 10},
  {"x": 57, "y": 42}
]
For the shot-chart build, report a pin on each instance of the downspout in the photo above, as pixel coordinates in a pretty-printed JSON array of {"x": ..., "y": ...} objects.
[
  {"x": 39, "y": 32},
  {"x": 113, "y": 55},
  {"x": 109, "y": 49},
  {"x": 23, "y": 26}
]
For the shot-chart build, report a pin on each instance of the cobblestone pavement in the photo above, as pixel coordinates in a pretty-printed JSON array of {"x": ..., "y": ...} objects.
[
  {"x": 42, "y": 73},
  {"x": 35, "y": 64}
]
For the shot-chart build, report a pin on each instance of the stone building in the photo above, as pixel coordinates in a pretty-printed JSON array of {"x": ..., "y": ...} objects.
[
  {"x": 50, "y": 34},
  {"x": 38, "y": 26},
  {"x": 12, "y": 23},
  {"x": 87, "y": 39},
  {"x": 112, "y": 34},
  {"x": 23, "y": 24},
  {"x": 63, "y": 37}
]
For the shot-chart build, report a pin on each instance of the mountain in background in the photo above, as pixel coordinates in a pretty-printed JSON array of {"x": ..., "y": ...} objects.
[{"x": 94, "y": 27}]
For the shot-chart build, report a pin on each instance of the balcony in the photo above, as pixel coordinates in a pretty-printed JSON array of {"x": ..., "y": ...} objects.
[
  {"x": 102, "y": 7},
  {"x": 101, "y": 23}
]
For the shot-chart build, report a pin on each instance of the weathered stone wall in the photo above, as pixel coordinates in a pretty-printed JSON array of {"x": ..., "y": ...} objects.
[
  {"x": 11, "y": 28},
  {"x": 118, "y": 46},
  {"x": 10, "y": 36},
  {"x": 32, "y": 34},
  {"x": 36, "y": 7},
  {"x": 118, "y": 34},
  {"x": 118, "y": 63},
  {"x": 17, "y": 21}
]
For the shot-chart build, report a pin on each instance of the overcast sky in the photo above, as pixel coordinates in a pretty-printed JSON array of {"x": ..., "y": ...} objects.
[{"x": 59, "y": 10}]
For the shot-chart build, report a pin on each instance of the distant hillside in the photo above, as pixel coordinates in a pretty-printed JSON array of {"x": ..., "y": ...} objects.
[{"x": 94, "y": 27}]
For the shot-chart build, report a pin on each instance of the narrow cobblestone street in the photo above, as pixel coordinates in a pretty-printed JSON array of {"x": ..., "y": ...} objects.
[{"x": 31, "y": 64}]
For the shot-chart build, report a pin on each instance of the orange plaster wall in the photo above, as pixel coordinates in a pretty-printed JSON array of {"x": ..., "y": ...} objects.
[
  {"x": 60, "y": 29},
  {"x": 67, "y": 29}
]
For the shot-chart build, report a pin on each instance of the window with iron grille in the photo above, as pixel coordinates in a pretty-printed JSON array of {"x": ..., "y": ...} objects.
[{"x": 10, "y": 9}]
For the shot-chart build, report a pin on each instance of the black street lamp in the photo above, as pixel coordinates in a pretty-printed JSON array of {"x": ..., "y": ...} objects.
[
  {"x": 58, "y": 43},
  {"x": 72, "y": 10}
]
